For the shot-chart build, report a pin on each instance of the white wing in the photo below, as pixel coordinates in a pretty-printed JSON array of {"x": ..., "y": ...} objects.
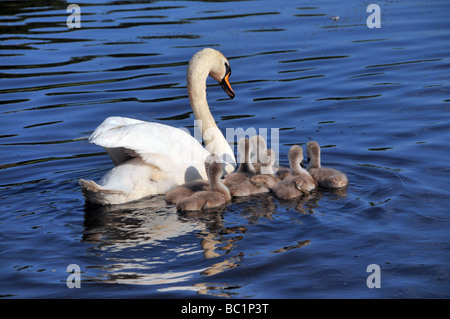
[{"x": 165, "y": 147}]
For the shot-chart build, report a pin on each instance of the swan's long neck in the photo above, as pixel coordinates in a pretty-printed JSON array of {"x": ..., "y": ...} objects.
[
  {"x": 215, "y": 142},
  {"x": 196, "y": 86}
]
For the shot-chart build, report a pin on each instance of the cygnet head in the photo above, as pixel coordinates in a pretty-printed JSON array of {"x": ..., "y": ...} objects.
[
  {"x": 313, "y": 153},
  {"x": 257, "y": 145},
  {"x": 295, "y": 158},
  {"x": 215, "y": 169},
  {"x": 215, "y": 173},
  {"x": 212, "y": 160},
  {"x": 267, "y": 159},
  {"x": 299, "y": 185},
  {"x": 216, "y": 63}
]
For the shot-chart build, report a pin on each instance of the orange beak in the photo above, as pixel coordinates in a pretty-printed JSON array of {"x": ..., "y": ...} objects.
[{"x": 225, "y": 83}]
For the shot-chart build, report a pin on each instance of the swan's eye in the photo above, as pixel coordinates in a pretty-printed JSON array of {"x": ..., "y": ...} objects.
[{"x": 227, "y": 69}]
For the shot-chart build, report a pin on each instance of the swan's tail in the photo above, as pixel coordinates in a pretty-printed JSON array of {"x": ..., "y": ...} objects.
[{"x": 96, "y": 194}]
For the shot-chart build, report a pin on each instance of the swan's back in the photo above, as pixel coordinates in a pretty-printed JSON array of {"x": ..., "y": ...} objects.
[{"x": 124, "y": 138}]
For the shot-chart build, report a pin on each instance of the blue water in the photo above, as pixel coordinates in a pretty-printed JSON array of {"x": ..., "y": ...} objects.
[{"x": 376, "y": 100}]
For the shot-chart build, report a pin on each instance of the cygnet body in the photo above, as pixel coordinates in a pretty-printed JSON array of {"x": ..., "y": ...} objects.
[
  {"x": 245, "y": 169},
  {"x": 187, "y": 189},
  {"x": 325, "y": 176},
  {"x": 239, "y": 182},
  {"x": 258, "y": 148},
  {"x": 283, "y": 173},
  {"x": 300, "y": 183},
  {"x": 267, "y": 177},
  {"x": 218, "y": 194}
]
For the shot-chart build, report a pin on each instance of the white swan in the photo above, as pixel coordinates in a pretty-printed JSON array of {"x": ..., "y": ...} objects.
[{"x": 152, "y": 158}]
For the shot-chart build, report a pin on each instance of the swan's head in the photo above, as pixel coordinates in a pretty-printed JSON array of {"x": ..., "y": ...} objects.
[
  {"x": 225, "y": 82},
  {"x": 219, "y": 67},
  {"x": 221, "y": 71}
]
